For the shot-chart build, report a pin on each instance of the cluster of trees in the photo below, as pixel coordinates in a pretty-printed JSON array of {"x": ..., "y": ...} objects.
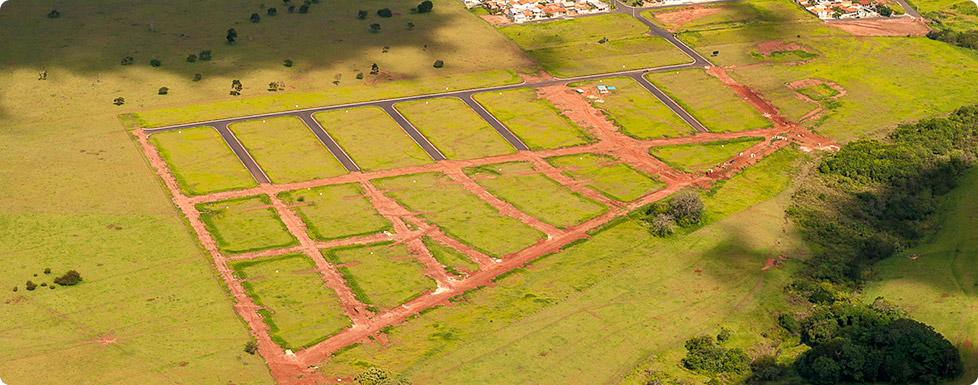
[
  {"x": 70, "y": 278},
  {"x": 683, "y": 210},
  {"x": 236, "y": 87},
  {"x": 967, "y": 39},
  {"x": 378, "y": 376},
  {"x": 707, "y": 355}
]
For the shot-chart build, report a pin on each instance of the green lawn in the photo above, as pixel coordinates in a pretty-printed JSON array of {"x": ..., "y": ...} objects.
[
  {"x": 454, "y": 261},
  {"x": 372, "y": 138},
  {"x": 536, "y": 194},
  {"x": 737, "y": 14},
  {"x": 245, "y": 224},
  {"x": 535, "y": 120},
  {"x": 635, "y": 111},
  {"x": 297, "y": 306},
  {"x": 619, "y": 181},
  {"x": 719, "y": 108},
  {"x": 201, "y": 162},
  {"x": 336, "y": 211},
  {"x": 590, "y": 45},
  {"x": 287, "y": 150},
  {"x": 456, "y": 130},
  {"x": 382, "y": 274},
  {"x": 699, "y": 157},
  {"x": 460, "y": 214}
]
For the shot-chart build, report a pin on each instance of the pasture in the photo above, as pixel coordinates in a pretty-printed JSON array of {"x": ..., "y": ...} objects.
[
  {"x": 297, "y": 306},
  {"x": 699, "y": 157},
  {"x": 336, "y": 211},
  {"x": 383, "y": 274},
  {"x": 457, "y": 131},
  {"x": 372, "y": 138},
  {"x": 534, "y": 120},
  {"x": 635, "y": 111},
  {"x": 617, "y": 181},
  {"x": 245, "y": 224},
  {"x": 201, "y": 161},
  {"x": 287, "y": 150},
  {"x": 719, "y": 108}
]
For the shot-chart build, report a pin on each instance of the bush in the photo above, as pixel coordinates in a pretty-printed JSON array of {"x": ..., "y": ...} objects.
[
  {"x": 197, "y": 77},
  {"x": 163, "y": 91},
  {"x": 724, "y": 334},
  {"x": 304, "y": 8},
  {"x": 704, "y": 356},
  {"x": 439, "y": 63},
  {"x": 663, "y": 225},
  {"x": 119, "y": 101},
  {"x": 15, "y": 289},
  {"x": 30, "y": 286},
  {"x": 205, "y": 55},
  {"x": 271, "y": 11},
  {"x": 378, "y": 376},
  {"x": 70, "y": 278},
  {"x": 374, "y": 27},
  {"x": 686, "y": 208},
  {"x": 255, "y": 18},
  {"x": 54, "y": 14},
  {"x": 192, "y": 58},
  {"x": 47, "y": 270},
  {"x": 425, "y": 6},
  {"x": 385, "y": 12},
  {"x": 287, "y": 62},
  {"x": 128, "y": 60},
  {"x": 155, "y": 63},
  {"x": 251, "y": 347},
  {"x": 362, "y": 14}
]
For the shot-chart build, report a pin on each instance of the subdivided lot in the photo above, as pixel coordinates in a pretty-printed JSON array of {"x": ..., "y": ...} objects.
[
  {"x": 372, "y": 138},
  {"x": 286, "y": 149},
  {"x": 336, "y": 211},
  {"x": 535, "y": 120},
  {"x": 635, "y": 111},
  {"x": 462, "y": 215},
  {"x": 456, "y": 130},
  {"x": 201, "y": 161},
  {"x": 699, "y": 157},
  {"x": 596, "y": 44},
  {"x": 727, "y": 15},
  {"x": 617, "y": 181},
  {"x": 454, "y": 261},
  {"x": 383, "y": 274},
  {"x": 719, "y": 108},
  {"x": 245, "y": 224},
  {"x": 536, "y": 194},
  {"x": 296, "y": 304}
]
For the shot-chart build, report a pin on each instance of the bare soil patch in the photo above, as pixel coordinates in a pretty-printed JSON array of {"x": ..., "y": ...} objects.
[
  {"x": 812, "y": 82},
  {"x": 769, "y": 47},
  {"x": 496, "y": 20},
  {"x": 675, "y": 19},
  {"x": 903, "y": 26}
]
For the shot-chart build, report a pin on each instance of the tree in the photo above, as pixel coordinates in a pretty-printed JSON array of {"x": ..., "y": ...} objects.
[
  {"x": 374, "y": 69},
  {"x": 43, "y": 75},
  {"x": 291, "y": 8},
  {"x": 155, "y": 63},
  {"x": 255, "y": 18},
  {"x": 304, "y": 8},
  {"x": 425, "y": 6},
  {"x": 47, "y": 270},
  {"x": 663, "y": 224},
  {"x": 70, "y": 278},
  {"x": 271, "y": 11},
  {"x": 119, "y": 101},
  {"x": 197, "y": 77},
  {"x": 385, "y": 12},
  {"x": 128, "y": 60},
  {"x": 374, "y": 27},
  {"x": 232, "y": 34},
  {"x": 251, "y": 347},
  {"x": 378, "y": 376},
  {"x": 410, "y": 26},
  {"x": 359, "y": 75},
  {"x": 31, "y": 286},
  {"x": 687, "y": 208},
  {"x": 288, "y": 62},
  {"x": 362, "y": 14},
  {"x": 163, "y": 91},
  {"x": 192, "y": 58},
  {"x": 54, "y": 14},
  {"x": 439, "y": 63},
  {"x": 205, "y": 55}
]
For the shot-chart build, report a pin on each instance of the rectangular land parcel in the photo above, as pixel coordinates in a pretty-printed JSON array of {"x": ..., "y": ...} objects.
[
  {"x": 456, "y": 130},
  {"x": 286, "y": 149},
  {"x": 382, "y": 274},
  {"x": 245, "y": 224},
  {"x": 201, "y": 161},
  {"x": 335, "y": 211},
  {"x": 372, "y": 138},
  {"x": 534, "y": 120}
]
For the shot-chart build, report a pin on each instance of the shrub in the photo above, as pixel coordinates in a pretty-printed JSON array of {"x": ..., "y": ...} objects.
[
  {"x": 255, "y": 18},
  {"x": 288, "y": 62},
  {"x": 375, "y": 27},
  {"x": 378, "y": 376},
  {"x": 155, "y": 63},
  {"x": 205, "y": 55},
  {"x": 359, "y": 75},
  {"x": 385, "y": 12},
  {"x": 687, "y": 208},
  {"x": 724, "y": 334},
  {"x": 47, "y": 270},
  {"x": 425, "y": 6},
  {"x": 119, "y": 101},
  {"x": 362, "y": 14},
  {"x": 251, "y": 347},
  {"x": 304, "y": 8},
  {"x": 15, "y": 289},
  {"x": 271, "y": 11},
  {"x": 191, "y": 58},
  {"x": 197, "y": 77},
  {"x": 70, "y": 278},
  {"x": 663, "y": 225},
  {"x": 163, "y": 91},
  {"x": 128, "y": 60},
  {"x": 31, "y": 286},
  {"x": 706, "y": 357},
  {"x": 439, "y": 63},
  {"x": 54, "y": 14}
]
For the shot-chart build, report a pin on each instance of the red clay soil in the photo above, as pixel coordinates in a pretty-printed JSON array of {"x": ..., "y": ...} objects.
[
  {"x": 902, "y": 26},
  {"x": 767, "y": 48},
  {"x": 675, "y": 19},
  {"x": 811, "y": 82}
]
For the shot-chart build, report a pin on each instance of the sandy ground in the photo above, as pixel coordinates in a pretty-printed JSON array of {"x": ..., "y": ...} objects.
[{"x": 903, "y": 26}]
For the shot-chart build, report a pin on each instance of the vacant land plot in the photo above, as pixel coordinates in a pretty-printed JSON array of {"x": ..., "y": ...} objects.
[
  {"x": 597, "y": 44},
  {"x": 382, "y": 274},
  {"x": 536, "y": 121},
  {"x": 616, "y": 181},
  {"x": 719, "y": 108},
  {"x": 245, "y": 224},
  {"x": 460, "y": 214},
  {"x": 699, "y": 157},
  {"x": 635, "y": 111},
  {"x": 286, "y": 150},
  {"x": 297, "y": 306},
  {"x": 454, "y": 261},
  {"x": 456, "y": 130},
  {"x": 201, "y": 161},
  {"x": 372, "y": 138},
  {"x": 336, "y": 211},
  {"x": 729, "y": 15},
  {"x": 536, "y": 194}
]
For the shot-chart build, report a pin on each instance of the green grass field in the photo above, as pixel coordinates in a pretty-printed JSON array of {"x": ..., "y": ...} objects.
[
  {"x": 619, "y": 181},
  {"x": 536, "y": 121},
  {"x": 454, "y": 261},
  {"x": 590, "y": 45},
  {"x": 201, "y": 162},
  {"x": 456, "y": 130},
  {"x": 286, "y": 150},
  {"x": 536, "y": 194},
  {"x": 736, "y": 14},
  {"x": 460, "y": 214},
  {"x": 372, "y": 138},
  {"x": 245, "y": 224},
  {"x": 635, "y": 111},
  {"x": 719, "y": 108},
  {"x": 383, "y": 274},
  {"x": 959, "y": 16},
  {"x": 699, "y": 157},
  {"x": 298, "y": 307},
  {"x": 336, "y": 211},
  {"x": 599, "y": 309}
]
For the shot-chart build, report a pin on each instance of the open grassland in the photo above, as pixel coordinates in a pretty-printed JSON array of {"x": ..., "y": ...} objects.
[
  {"x": 699, "y": 157},
  {"x": 383, "y": 274},
  {"x": 297, "y": 306},
  {"x": 616, "y": 181},
  {"x": 740, "y": 191},
  {"x": 940, "y": 287},
  {"x": 336, "y": 211},
  {"x": 536, "y": 194},
  {"x": 372, "y": 138},
  {"x": 596, "y": 44},
  {"x": 245, "y": 224},
  {"x": 959, "y": 16},
  {"x": 201, "y": 162},
  {"x": 456, "y": 130},
  {"x": 595, "y": 311},
  {"x": 460, "y": 214},
  {"x": 730, "y": 15},
  {"x": 454, "y": 261},
  {"x": 719, "y": 108},
  {"x": 286, "y": 150},
  {"x": 536, "y": 121},
  {"x": 635, "y": 111}
]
